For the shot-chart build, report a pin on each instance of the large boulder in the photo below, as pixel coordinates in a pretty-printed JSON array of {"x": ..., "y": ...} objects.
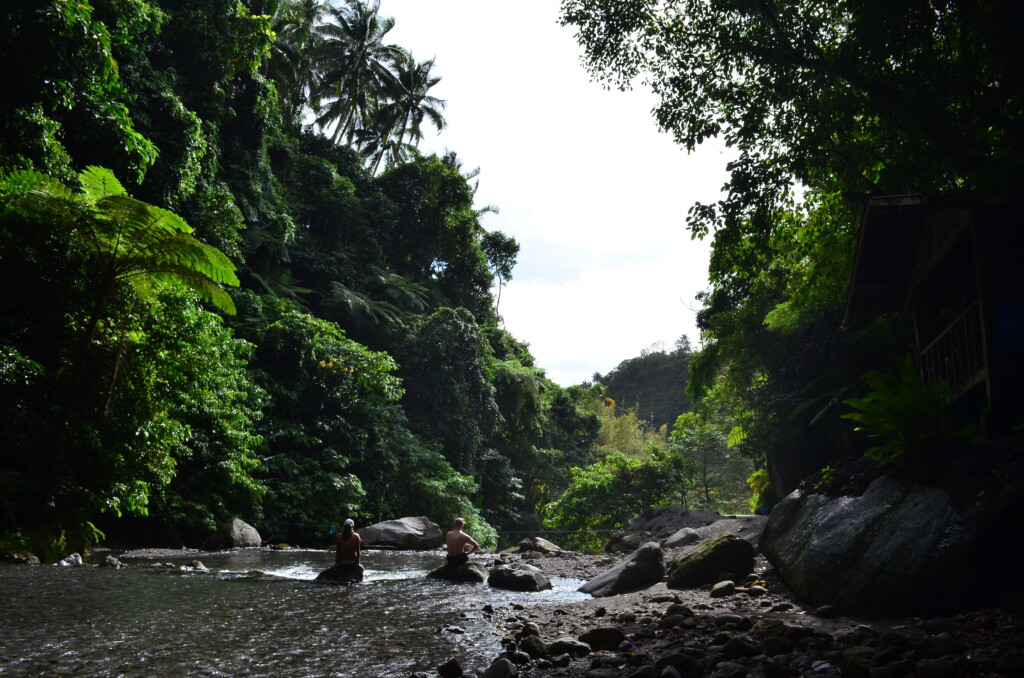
[
  {"x": 416, "y": 534},
  {"x": 518, "y": 577},
  {"x": 467, "y": 573},
  {"x": 897, "y": 549},
  {"x": 705, "y": 562},
  {"x": 538, "y": 544},
  {"x": 234, "y": 534},
  {"x": 641, "y": 569}
]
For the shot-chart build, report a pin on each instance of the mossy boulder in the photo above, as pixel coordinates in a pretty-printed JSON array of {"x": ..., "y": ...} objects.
[{"x": 703, "y": 563}]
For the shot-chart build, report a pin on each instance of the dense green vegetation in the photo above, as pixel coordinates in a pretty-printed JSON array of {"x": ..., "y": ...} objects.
[
  {"x": 825, "y": 104},
  {"x": 232, "y": 286},
  {"x": 285, "y": 311}
]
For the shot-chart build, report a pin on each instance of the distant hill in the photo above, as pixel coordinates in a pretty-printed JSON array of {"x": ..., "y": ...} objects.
[{"x": 653, "y": 384}]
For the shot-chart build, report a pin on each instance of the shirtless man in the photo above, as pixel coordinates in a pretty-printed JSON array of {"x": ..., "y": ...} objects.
[
  {"x": 456, "y": 541},
  {"x": 348, "y": 543}
]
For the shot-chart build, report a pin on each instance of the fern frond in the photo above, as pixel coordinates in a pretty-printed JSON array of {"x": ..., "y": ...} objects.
[
  {"x": 98, "y": 183},
  {"x": 21, "y": 182},
  {"x": 198, "y": 283}
]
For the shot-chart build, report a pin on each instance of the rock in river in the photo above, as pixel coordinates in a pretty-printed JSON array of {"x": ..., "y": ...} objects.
[
  {"x": 518, "y": 577},
  {"x": 471, "y": 572},
  {"x": 415, "y": 533}
]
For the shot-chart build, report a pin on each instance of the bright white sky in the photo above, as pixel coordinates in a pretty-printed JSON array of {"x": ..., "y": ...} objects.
[{"x": 593, "y": 193}]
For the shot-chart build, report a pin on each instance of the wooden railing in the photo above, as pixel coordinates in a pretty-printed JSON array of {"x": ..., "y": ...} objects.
[{"x": 957, "y": 355}]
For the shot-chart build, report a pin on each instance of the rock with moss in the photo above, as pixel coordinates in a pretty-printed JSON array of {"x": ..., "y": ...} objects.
[{"x": 703, "y": 563}]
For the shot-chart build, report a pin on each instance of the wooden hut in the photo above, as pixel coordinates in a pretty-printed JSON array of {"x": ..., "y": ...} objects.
[{"x": 954, "y": 266}]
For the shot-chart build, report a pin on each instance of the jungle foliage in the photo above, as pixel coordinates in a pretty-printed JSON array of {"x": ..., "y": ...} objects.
[
  {"x": 824, "y": 104},
  {"x": 283, "y": 313}
]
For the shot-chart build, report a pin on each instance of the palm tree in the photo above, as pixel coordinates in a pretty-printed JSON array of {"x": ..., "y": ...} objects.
[
  {"x": 354, "y": 66},
  {"x": 408, "y": 104},
  {"x": 290, "y": 67}
]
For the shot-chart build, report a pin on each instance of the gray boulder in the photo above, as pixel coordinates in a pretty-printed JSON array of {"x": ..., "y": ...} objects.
[
  {"x": 74, "y": 560},
  {"x": 416, "y": 534},
  {"x": 234, "y": 534},
  {"x": 704, "y": 562},
  {"x": 682, "y": 537},
  {"x": 450, "y": 669},
  {"x": 890, "y": 550},
  {"x": 533, "y": 646},
  {"x": 642, "y": 568},
  {"x": 467, "y": 573},
  {"x": 538, "y": 544},
  {"x": 518, "y": 577}
]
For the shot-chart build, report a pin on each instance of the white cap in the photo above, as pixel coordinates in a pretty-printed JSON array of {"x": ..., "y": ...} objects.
[{"x": 349, "y": 521}]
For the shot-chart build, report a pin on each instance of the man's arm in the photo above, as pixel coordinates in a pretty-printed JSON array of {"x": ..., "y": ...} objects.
[{"x": 472, "y": 542}]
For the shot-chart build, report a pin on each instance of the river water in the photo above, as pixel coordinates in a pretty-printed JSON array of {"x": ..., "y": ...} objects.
[{"x": 257, "y": 613}]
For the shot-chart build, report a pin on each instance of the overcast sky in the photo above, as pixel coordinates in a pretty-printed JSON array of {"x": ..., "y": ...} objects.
[{"x": 593, "y": 193}]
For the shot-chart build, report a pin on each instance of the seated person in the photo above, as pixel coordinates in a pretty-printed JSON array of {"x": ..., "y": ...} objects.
[
  {"x": 348, "y": 546},
  {"x": 456, "y": 542}
]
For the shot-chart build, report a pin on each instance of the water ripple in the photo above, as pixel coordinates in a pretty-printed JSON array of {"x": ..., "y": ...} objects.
[{"x": 257, "y": 613}]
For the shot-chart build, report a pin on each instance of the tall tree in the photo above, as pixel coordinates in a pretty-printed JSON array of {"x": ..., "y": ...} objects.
[
  {"x": 354, "y": 64},
  {"x": 398, "y": 120}
]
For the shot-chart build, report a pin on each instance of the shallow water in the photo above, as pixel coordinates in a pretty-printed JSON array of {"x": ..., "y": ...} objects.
[{"x": 147, "y": 621}]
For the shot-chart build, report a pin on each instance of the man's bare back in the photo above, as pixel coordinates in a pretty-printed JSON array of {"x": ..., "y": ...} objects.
[
  {"x": 456, "y": 542},
  {"x": 347, "y": 549}
]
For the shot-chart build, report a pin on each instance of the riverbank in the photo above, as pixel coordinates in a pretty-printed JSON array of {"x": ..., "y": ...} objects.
[
  {"x": 700, "y": 633},
  {"x": 761, "y": 631}
]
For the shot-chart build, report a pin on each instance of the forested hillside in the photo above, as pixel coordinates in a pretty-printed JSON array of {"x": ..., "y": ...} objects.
[
  {"x": 233, "y": 287},
  {"x": 653, "y": 384}
]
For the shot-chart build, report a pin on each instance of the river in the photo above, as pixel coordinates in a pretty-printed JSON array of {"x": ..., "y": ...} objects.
[{"x": 257, "y": 613}]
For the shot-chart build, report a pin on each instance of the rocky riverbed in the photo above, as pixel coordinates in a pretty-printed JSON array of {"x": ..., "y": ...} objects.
[{"x": 753, "y": 628}]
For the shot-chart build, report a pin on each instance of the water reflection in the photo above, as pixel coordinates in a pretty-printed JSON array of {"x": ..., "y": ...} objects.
[{"x": 236, "y": 622}]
